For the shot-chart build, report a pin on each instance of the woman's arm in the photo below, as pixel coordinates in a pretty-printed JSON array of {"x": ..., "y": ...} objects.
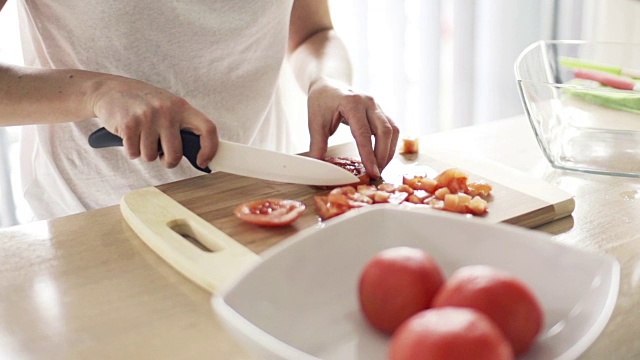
[
  {"x": 322, "y": 67},
  {"x": 138, "y": 112}
]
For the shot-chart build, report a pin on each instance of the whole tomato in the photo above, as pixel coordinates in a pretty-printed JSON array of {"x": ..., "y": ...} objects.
[
  {"x": 396, "y": 284},
  {"x": 449, "y": 333},
  {"x": 506, "y": 300}
]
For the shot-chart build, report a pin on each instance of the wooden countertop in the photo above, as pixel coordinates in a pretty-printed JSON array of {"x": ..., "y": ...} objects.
[{"x": 85, "y": 286}]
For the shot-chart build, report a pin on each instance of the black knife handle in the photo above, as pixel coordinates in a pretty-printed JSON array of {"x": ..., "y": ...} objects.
[{"x": 102, "y": 138}]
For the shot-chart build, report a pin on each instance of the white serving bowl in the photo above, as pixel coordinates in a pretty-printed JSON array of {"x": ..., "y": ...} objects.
[{"x": 300, "y": 302}]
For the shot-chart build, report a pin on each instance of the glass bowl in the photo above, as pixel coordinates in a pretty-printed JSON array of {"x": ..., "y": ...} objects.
[{"x": 579, "y": 99}]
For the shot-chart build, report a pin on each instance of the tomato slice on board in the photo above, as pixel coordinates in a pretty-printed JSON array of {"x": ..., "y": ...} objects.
[
  {"x": 270, "y": 212},
  {"x": 353, "y": 166},
  {"x": 327, "y": 210}
]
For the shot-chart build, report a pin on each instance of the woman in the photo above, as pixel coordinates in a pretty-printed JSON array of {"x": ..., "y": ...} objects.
[{"x": 146, "y": 69}]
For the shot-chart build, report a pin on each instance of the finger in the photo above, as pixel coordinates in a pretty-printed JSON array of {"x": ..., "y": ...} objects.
[
  {"x": 130, "y": 134},
  {"x": 361, "y": 131},
  {"x": 318, "y": 136},
  {"x": 208, "y": 132},
  {"x": 394, "y": 142},
  {"x": 149, "y": 144},
  {"x": 386, "y": 135},
  {"x": 171, "y": 145}
]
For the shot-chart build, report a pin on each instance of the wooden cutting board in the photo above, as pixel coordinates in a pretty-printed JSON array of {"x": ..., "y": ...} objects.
[
  {"x": 201, "y": 208},
  {"x": 517, "y": 198}
]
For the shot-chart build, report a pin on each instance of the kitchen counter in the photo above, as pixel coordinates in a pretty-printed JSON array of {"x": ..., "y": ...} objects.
[{"x": 85, "y": 286}]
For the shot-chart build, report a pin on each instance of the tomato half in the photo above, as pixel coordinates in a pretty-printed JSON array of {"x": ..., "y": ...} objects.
[
  {"x": 353, "y": 166},
  {"x": 270, "y": 212}
]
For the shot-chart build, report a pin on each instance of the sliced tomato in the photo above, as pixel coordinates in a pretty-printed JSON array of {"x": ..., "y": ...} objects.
[
  {"x": 270, "y": 212},
  {"x": 327, "y": 210},
  {"x": 353, "y": 166},
  {"x": 448, "y": 191},
  {"x": 349, "y": 196}
]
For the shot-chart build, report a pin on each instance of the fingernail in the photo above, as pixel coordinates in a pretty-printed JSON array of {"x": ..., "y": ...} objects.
[{"x": 376, "y": 171}]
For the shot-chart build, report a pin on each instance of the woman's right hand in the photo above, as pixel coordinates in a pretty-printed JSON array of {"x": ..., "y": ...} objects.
[{"x": 142, "y": 115}]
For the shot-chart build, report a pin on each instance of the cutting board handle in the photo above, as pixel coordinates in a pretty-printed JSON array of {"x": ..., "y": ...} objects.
[{"x": 163, "y": 224}]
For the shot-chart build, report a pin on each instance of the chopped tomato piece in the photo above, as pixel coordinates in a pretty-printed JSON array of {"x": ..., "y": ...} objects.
[
  {"x": 441, "y": 193},
  {"x": 418, "y": 196},
  {"x": 397, "y": 197},
  {"x": 478, "y": 206},
  {"x": 454, "y": 179},
  {"x": 435, "y": 203},
  {"x": 387, "y": 187},
  {"x": 327, "y": 210},
  {"x": 405, "y": 188},
  {"x": 381, "y": 197},
  {"x": 340, "y": 195},
  {"x": 348, "y": 196},
  {"x": 451, "y": 202},
  {"x": 457, "y": 202},
  {"x": 367, "y": 190},
  {"x": 270, "y": 212},
  {"x": 420, "y": 183},
  {"x": 410, "y": 145},
  {"x": 479, "y": 188}
]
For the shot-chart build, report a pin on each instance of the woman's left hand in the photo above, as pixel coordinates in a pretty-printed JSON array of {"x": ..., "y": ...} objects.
[{"x": 330, "y": 103}]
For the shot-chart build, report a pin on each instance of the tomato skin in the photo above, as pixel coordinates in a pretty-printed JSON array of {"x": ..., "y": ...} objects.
[
  {"x": 270, "y": 212},
  {"x": 397, "y": 283},
  {"x": 502, "y": 297},
  {"x": 449, "y": 333}
]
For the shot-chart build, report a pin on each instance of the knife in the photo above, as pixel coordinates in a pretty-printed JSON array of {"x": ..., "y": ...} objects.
[{"x": 249, "y": 161}]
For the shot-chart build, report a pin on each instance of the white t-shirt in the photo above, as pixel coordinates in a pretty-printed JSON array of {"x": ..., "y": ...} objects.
[{"x": 223, "y": 56}]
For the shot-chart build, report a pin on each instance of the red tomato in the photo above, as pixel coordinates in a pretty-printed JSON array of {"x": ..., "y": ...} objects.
[
  {"x": 449, "y": 333},
  {"x": 396, "y": 284},
  {"x": 503, "y": 298},
  {"x": 352, "y": 165},
  {"x": 270, "y": 212}
]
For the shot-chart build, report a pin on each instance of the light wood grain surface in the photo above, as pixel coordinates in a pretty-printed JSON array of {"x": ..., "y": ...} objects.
[{"x": 85, "y": 286}]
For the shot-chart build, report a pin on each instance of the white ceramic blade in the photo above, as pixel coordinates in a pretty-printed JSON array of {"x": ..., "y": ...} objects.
[{"x": 276, "y": 166}]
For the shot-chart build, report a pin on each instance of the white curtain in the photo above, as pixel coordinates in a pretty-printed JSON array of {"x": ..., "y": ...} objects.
[
  {"x": 439, "y": 64},
  {"x": 615, "y": 20},
  {"x": 7, "y": 205},
  {"x": 10, "y": 53}
]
